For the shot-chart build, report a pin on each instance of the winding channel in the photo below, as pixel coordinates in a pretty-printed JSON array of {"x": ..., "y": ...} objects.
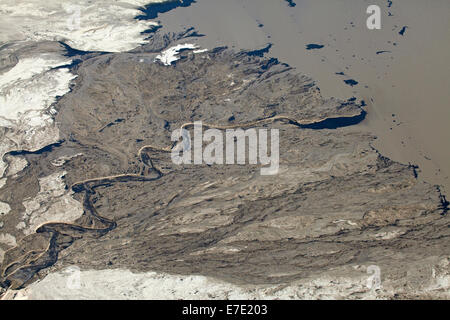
[{"x": 17, "y": 274}]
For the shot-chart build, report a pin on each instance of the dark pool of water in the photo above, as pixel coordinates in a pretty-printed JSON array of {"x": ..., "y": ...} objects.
[
  {"x": 45, "y": 149},
  {"x": 351, "y": 82},
  {"x": 291, "y": 3},
  {"x": 260, "y": 52},
  {"x": 334, "y": 123},
  {"x": 314, "y": 46},
  {"x": 403, "y": 30},
  {"x": 383, "y": 51},
  {"x": 152, "y": 10}
]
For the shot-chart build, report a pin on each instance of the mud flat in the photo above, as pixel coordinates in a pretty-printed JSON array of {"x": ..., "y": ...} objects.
[
  {"x": 94, "y": 196},
  {"x": 336, "y": 207}
]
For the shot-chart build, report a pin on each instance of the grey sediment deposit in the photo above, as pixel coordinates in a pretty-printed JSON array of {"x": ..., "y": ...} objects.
[{"x": 336, "y": 206}]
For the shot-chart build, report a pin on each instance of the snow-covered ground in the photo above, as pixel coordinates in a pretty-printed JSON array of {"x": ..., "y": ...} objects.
[
  {"x": 101, "y": 25},
  {"x": 124, "y": 285},
  {"x": 32, "y": 85},
  {"x": 26, "y": 91},
  {"x": 352, "y": 282}
]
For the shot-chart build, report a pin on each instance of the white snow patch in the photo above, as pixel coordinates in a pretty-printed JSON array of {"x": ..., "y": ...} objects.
[
  {"x": 170, "y": 55},
  {"x": 4, "y": 208},
  {"x": 62, "y": 160},
  {"x": 389, "y": 235},
  {"x": 52, "y": 204},
  {"x": 32, "y": 85},
  {"x": 200, "y": 50},
  {"x": 16, "y": 165},
  {"x": 21, "y": 225},
  {"x": 8, "y": 239},
  {"x": 27, "y": 68}
]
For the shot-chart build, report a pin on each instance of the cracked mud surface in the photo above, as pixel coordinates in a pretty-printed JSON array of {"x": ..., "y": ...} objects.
[{"x": 336, "y": 204}]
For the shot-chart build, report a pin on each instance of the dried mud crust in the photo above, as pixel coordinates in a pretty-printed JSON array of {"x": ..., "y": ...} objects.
[{"x": 335, "y": 202}]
